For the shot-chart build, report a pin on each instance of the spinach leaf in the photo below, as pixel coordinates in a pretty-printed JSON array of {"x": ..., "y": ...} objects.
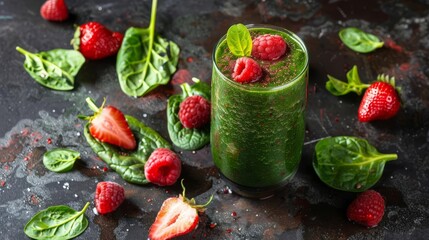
[
  {"x": 349, "y": 163},
  {"x": 354, "y": 84},
  {"x": 185, "y": 138},
  {"x": 53, "y": 69},
  {"x": 57, "y": 222},
  {"x": 359, "y": 41},
  {"x": 129, "y": 165},
  {"x": 145, "y": 60},
  {"x": 239, "y": 40},
  {"x": 60, "y": 159}
]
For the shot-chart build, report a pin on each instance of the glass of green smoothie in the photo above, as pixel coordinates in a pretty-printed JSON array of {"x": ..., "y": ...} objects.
[{"x": 257, "y": 128}]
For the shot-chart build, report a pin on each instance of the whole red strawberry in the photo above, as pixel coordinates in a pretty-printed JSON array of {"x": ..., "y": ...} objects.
[
  {"x": 194, "y": 112},
  {"x": 367, "y": 209},
  {"x": 108, "y": 124},
  {"x": 108, "y": 197},
  {"x": 268, "y": 47},
  {"x": 54, "y": 10},
  {"x": 178, "y": 216},
  {"x": 163, "y": 167},
  {"x": 95, "y": 41},
  {"x": 246, "y": 70},
  {"x": 380, "y": 101}
]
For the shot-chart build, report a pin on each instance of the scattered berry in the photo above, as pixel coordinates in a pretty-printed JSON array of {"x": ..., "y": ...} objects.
[
  {"x": 367, "y": 209},
  {"x": 246, "y": 70},
  {"x": 54, "y": 10},
  {"x": 108, "y": 197},
  {"x": 95, "y": 41},
  {"x": 108, "y": 124},
  {"x": 194, "y": 112},
  {"x": 177, "y": 216},
  {"x": 163, "y": 167},
  {"x": 268, "y": 47},
  {"x": 380, "y": 101}
]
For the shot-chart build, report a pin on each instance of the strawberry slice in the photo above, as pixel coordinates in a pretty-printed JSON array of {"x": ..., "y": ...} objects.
[
  {"x": 177, "y": 216},
  {"x": 108, "y": 124}
]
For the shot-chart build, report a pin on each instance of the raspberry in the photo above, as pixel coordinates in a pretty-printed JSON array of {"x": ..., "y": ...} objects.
[
  {"x": 246, "y": 70},
  {"x": 108, "y": 197},
  {"x": 367, "y": 209},
  {"x": 268, "y": 47},
  {"x": 194, "y": 112},
  {"x": 163, "y": 167},
  {"x": 54, "y": 10}
]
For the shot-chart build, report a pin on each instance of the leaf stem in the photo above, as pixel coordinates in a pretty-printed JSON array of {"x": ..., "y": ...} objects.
[
  {"x": 22, "y": 51},
  {"x": 92, "y": 105},
  {"x": 389, "y": 157}
]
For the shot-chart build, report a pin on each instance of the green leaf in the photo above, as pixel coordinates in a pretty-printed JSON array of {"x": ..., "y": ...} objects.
[
  {"x": 145, "y": 60},
  {"x": 185, "y": 138},
  {"x": 354, "y": 84},
  {"x": 239, "y": 40},
  {"x": 57, "y": 222},
  {"x": 359, "y": 41},
  {"x": 129, "y": 165},
  {"x": 349, "y": 163},
  {"x": 60, "y": 159},
  {"x": 53, "y": 69}
]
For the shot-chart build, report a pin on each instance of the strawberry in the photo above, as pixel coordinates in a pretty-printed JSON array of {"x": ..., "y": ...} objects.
[
  {"x": 177, "y": 216},
  {"x": 163, "y": 167},
  {"x": 108, "y": 124},
  {"x": 380, "y": 101},
  {"x": 54, "y": 10},
  {"x": 108, "y": 197},
  {"x": 95, "y": 41},
  {"x": 246, "y": 70},
  {"x": 367, "y": 209},
  {"x": 268, "y": 47},
  {"x": 194, "y": 112}
]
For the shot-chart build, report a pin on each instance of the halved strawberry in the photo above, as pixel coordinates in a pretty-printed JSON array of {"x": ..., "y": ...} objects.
[
  {"x": 108, "y": 124},
  {"x": 177, "y": 216}
]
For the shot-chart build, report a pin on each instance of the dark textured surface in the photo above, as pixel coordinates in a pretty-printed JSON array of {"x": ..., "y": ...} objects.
[{"x": 34, "y": 119}]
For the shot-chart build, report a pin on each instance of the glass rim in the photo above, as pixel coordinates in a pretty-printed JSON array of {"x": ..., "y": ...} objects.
[{"x": 249, "y": 87}]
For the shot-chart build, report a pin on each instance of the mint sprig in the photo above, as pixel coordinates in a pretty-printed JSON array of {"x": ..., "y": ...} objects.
[{"x": 239, "y": 40}]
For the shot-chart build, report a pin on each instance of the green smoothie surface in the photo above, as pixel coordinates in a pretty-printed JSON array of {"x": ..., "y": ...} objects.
[{"x": 276, "y": 73}]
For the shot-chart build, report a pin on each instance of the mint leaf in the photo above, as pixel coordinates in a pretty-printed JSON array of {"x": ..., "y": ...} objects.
[{"x": 239, "y": 40}]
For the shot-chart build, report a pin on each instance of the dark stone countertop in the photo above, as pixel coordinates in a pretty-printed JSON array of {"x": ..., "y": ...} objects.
[{"x": 34, "y": 119}]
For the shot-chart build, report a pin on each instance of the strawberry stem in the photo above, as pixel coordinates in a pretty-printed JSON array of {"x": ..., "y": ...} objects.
[
  {"x": 192, "y": 201},
  {"x": 92, "y": 105}
]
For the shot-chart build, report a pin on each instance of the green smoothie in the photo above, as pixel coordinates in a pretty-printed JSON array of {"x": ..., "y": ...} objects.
[{"x": 257, "y": 129}]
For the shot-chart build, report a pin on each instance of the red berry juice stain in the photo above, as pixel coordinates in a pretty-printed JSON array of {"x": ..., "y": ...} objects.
[
  {"x": 2, "y": 183},
  {"x": 391, "y": 44},
  {"x": 36, "y": 136},
  {"x": 34, "y": 200},
  {"x": 404, "y": 67},
  {"x": 337, "y": 119},
  {"x": 229, "y": 230},
  {"x": 190, "y": 59},
  {"x": 25, "y": 132},
  {"x": 212, "y": 225},
  {"x": 181, "y": 76},
  {"x": 6, "y": 167}
]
